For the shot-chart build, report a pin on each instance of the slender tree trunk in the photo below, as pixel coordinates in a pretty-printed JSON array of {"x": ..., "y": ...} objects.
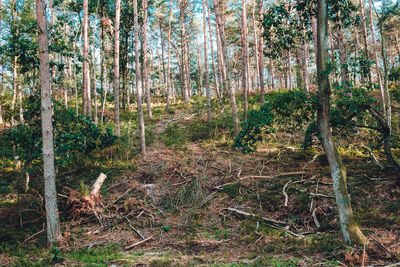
[
  {"x": 365, "y": 37},
  {"x": 271, "y": 66},
  {"x": 162, "y": 55},
  {"x": 261, "y": 53},
  {"x": 86, "y": 78},
  {"x": 245, "y": 65},
  {"x": 350, "y": 230},
  {"x": 139, "y": 81},
  {"x": 290, "y": 70},
  {"x": 396, "y": 40},
  {"x": 226, "y": 66},
  {"x": 255, "y": 47},
  {"x": 375, "y": 53},
  {"x": 344, "y": 74},
  {"x": 217, "y": 92},
  {"x": 356, "y": 52},
  {"x": 145, "y": 62},
  {"x": 169, "y": 56},
  {"x": 304, "y": 54},
  {"x": 206, "y": 62},
  {"x": 52, "y": 218},
  {"x": 116, "y": 66}
]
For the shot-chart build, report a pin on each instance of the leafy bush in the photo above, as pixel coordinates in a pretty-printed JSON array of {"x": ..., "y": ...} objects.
[{"x": 73, "y": 134}]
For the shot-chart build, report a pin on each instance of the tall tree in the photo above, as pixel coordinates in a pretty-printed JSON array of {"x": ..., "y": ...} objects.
[
  {"x": 52, "y": 218},
  {"x": 225, "y": 65},
  {"x": 261, "y": 52},
  {"x": 145, "y": 62},
  {"x": 206, "y": 62},
  {"x": 116, "y": 66},
  {"x": 245, "y": 64},
  {"x": 169, "y": 84},
  {"x": 86, "y": 101},
  {"x": 350, "y": 230},
  {"x": 139, "y": 81}
]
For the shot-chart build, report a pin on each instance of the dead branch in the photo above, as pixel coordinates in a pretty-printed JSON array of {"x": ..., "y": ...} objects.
[
  {"x": 285, "y": 193},
  {"x": 134, "y": 229},
  {"x": 373, "y": 156},
  {"x": 138, "y": 243},
  {"x": 268, "y": 220},
  {"x": 260, "y": 177}
]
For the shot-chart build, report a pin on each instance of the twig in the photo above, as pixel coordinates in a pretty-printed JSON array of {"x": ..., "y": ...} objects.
[
  {"x": 385, "y": 248},
  {"x": 363, "y": 255},
  {"x": 32, "y": 236},
  {"x": 312, "y": 199},
  {"x": 315, "y": 218},
  {"x": 321, "y": 195},
  {"x": 134, "y": 229},
  {"x": 124, "y": 194},
  {"x": 245, "y": 213},
  {"x": 138, "y": 243}
]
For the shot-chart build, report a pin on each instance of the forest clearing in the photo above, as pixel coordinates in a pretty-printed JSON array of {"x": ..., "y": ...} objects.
[{"x": 199, "y": 133}]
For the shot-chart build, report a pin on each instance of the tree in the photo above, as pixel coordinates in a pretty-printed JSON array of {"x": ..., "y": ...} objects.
[
  {"x": 86, "y": 99},
  {"x": 139, "y": 81},
  {"x": 52, "y": 218},
  {"x": 206, "y": 62},
  {"x": 145, "y": 63},
  {"x": 116, "y": 66},
  {"x": 350, "y": 230},
  {"x": 245, "y": 63}
]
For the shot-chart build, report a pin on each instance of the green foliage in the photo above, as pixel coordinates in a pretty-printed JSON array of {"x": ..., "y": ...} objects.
[
  {"x": 296, "y": 109},
  {"x": 72, "y": 135}
]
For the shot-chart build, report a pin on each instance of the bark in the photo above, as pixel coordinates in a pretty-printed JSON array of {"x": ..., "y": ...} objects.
[
  {"x": 356, "y": 51},
  {"x": 349, "y": 227},
  {"x": 289, "y": 62},
  {"x": 169, "y": 56},
  {"x": 139, "y": 81},
  {"x": 162, "y": 55},
  {"x": 365, "y": 37},
  {"x": 396, "y": 40},
  {"x": 217, "y": 92},
  {"x": 226, "y": 65},
  {"x": 245, "y": 64},
  {"x": 271, "y": 66},
  {"x": 116, "y": 67},
  {"x": 145, "y": 62},
  {"x": 344, "y": 74},
  {"x": 261, "y": 54},
  {"x": 375, "y": 53},
  {"x": 52, "y": 218},
  {"x": 207, "y": 85},
  {"x": 86, "y": 105},
  {"x": 185, "y": 89},
  {"x": 255, "y": 47}
]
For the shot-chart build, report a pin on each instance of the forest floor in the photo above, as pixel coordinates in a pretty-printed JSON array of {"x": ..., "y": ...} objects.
[{"x": 194, "y": 200}]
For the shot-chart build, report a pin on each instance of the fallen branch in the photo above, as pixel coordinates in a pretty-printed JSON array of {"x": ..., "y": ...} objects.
[
  {"x": 285, "y": 193},
  {"x": 260, "y": 177},
  {"x": 138, "y": 243},
  {"x": 268, "y": 220},
  {"x": 373, "y": 156},
  {"x": 134, "y": 229}
]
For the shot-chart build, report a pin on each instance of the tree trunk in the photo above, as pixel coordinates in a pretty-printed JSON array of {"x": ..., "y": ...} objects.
[
  {"x": 349, "y": 227},
  {"x": 169, "y": 56},
  {"x": 374, "y": 51},
  {"x": 261, "y": 53},
  {"x": 245, "y": 65},
  {"x": 86, "y": 105},
  {"x": 162, "y": 55},
  {"x": 145, "y": 62},
  {"x": 344, "y": 74},
  {"x": 226, "y": 66},
  {"x": 139, "y": 81},
  {"x": 365, "y": 37},
  {"x": 52, "y": 218},
  {"x": 116, "y": 66},
  {"x": 217, "y": 92},
  {"x": 206, "y": 62}
]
